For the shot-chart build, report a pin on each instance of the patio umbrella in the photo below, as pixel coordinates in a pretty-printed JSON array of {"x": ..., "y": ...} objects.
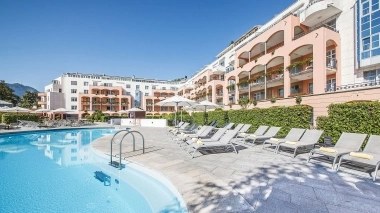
[
  {"x": 206, "y": 105},
  {"x": 176, "y": 101},
  {"x": 16, "y": 110},
  {"x": 3, "y": 108},
  {"x": 60, "y": 110},
  {"x": 134, "y": 110},
  {"x": 40, "y": 111}
]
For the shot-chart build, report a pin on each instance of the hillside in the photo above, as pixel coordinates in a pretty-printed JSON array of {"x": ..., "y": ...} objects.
[{"x": 21, "y": 89}]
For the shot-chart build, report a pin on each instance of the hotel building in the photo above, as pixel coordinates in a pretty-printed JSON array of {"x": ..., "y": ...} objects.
[
  {"x": 85, "y": 93},
  {"x": 326, "y": 51}
]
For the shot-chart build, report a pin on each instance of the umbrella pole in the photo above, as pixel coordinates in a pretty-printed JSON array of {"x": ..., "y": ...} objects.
[
  {"x": 175, "y": 115},
  {"x": 181, "y": 113}
]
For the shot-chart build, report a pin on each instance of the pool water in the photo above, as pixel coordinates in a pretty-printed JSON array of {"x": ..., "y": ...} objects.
[{"x": 54, "y": 171}]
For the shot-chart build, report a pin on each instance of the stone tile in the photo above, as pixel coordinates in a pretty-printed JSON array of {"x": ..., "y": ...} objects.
[
  {"x": 309, "y": 204},
  {"x": 340, "y": 209},
  {"x": 295, "y": 189},
  {"x": 273, "y": 205},
  {"x": 223, "y": 172},
  {"x": 360, "y": 203},
  {"x": 321, "y": 184},
  {"x": 227, "y": 159},
  {"x": 328, "y": 197}
]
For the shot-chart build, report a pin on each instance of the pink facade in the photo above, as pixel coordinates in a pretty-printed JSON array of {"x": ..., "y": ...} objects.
[
  {"x": 149, "y": 102},
  {"x": 108, "y": 99}
]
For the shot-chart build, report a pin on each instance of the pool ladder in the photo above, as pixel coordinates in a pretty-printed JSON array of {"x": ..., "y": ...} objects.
[{"x": 126, "y": 132}]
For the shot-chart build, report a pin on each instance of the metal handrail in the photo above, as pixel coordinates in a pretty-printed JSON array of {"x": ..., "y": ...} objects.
[{"x": 121, "y": 141}]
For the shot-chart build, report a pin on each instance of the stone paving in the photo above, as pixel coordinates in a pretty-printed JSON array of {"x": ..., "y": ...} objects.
[{"x": 254, "y": 180}]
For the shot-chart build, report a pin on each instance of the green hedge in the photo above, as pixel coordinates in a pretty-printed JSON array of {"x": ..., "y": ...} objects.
[
  {"x": 219, "y": 115},
  {"x": 8, "y": 118},
  {"x": 359, "y": 117},
  {"x": 170, "y": 117},
  {"x": 285, "y": 117}
]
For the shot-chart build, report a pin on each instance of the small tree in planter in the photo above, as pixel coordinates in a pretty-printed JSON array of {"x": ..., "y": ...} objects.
[
  {"x": 298, "y": 99},
  {"x": 273, "y": 99},
  {"x": 254, "y": 102},
  {"x": 244, "y": 102}
]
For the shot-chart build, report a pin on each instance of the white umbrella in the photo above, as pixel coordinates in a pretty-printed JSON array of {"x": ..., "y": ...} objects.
[
  {"x": 40, "y": 111},
  {"x": 16, "y": 110},
  {"x": 61, "y": 110},
  {"x": 176, "y": 101},
  {"x": 3, "y": 108},
  {"x": 207, "y": 105}
]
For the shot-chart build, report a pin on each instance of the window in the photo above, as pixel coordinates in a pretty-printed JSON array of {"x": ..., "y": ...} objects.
[
  {"x": 375, "y": 5},
  {"x": 73, "y": 150},
  {"x": 74, "y": 99},
  {"x": 85, "y": 91},
  {"x": 59, "y": 90},
  {"x": 330, "y": 84},
  {"x": 258, "y": 96},
  {"x": 146, "y": 94},
  {"x": 127, "y": 86},
  {"x": 73, "y": 107},
  {"x": 365, "y": 8},
  {"x": 295, "y": 89},
  {"x": 146, "y": 87},
  {"x": 310, "y": 88},
  {"x": 128, "y": 93},
  {"x": 73, "y": 91},
  {"x": 95, "y": 83},
  {"x": 372, "y": 75},
  {"x": 137, "y": 86},
  {"x": 281, "y": 92},
  {"x": 108, "y": 84},
  {"x": 163, "y": 88},
  {"x": 366, "y": 44},
  {"x": 74, "y": 82},
  {"x": 85, "y": 83},
  {"x": 154, "y": 87}
]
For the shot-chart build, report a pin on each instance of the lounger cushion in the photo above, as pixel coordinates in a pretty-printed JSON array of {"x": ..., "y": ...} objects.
[
  {"x": 361, "y": 155},
  {"x": 331, "y": 150},
  {"x": 291, "y": 142},
  {"x": 275, "y": 139}
]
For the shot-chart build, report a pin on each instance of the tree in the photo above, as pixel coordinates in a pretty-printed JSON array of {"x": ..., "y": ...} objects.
[
  {"x": 29, "y": 99},
  {"x": 244, "y": 102},
  {"x": 7, "y": 94}
]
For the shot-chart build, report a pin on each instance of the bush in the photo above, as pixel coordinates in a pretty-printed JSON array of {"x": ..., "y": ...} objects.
[
  {"x": 8, "y": 118},
  {"x": 284, "y": 117},
  {"x": 220, "y": 116},
  {"x": 185, "y": 117},
  {"x": 359, "y": 117}
]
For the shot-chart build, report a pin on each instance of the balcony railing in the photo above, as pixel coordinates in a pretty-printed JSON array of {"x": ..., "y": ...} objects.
[
  {"x": 219, "y": 95},
  {"x": 299, "y": 71},
  {"x": 331, "y": 63},
  {"x": 316, "y": 27},
  {"x": 362, "y": 85},
  {"x": 230, "y": 91}
]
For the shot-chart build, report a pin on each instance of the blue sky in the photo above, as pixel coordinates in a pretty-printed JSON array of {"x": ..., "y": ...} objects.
[{"x": 162, "y": 39}]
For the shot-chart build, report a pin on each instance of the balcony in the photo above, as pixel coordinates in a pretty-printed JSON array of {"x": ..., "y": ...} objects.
[
  {"x": 331, "y": 65},
  {"x": 231, "y": 91},
  {"x": 219, "y": 95},
  {"x": 299, "y": 74},
  {"x": 243, "y": 88},
  {"x": 86, "y": 102},
  {"x": 257, "y": 84},
  {"x": 317, "y": 11},
  {"x": 357, "y": 86},
  {"x": 275, "y": 81}
]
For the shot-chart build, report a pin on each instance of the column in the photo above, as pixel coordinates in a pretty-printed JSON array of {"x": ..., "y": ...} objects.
[
  {"x": 319, "y": 65},
  {"x": 265, "y": 80},
  {"x": 287, "y": 81}
]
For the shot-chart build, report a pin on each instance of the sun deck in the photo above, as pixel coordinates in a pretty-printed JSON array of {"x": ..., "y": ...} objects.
[{"x": 254, "y": 179}]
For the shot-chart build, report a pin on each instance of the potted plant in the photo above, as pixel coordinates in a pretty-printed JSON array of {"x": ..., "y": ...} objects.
[
  {"x": 298, "y": 99},
  {"x": 254, "y": 102},
  {"x": 273, "y": 99}
]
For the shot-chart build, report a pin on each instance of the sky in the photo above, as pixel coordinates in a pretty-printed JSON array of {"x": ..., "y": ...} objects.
[{"x": 159, "y": 39}]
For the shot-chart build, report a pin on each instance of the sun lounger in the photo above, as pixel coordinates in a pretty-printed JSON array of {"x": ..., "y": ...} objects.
[
  {"x": 259, "y": 131},
  {"x": 184, "y": 137},
  {"x": 370, "y": 155},
  {"x": 309, "y": 138},
  {"x": 224, "y": 141},
  {"x": 293, "y": 135},
  {"x": 348, "y": 142},
  {"x": 217, "y": 135},
  {"x": 272, "y": 132}
]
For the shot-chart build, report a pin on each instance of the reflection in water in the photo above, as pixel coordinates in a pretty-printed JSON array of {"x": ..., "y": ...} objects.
[{"x": 66, "y": 148}]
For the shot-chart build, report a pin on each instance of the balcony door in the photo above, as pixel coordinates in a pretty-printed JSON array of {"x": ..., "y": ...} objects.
[
  {"x": 331, "y": 58},
  {"x": 331, "y": 84}
]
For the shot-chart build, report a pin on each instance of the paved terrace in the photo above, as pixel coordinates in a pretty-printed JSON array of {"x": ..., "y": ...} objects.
[{"x": 254, "y": 180}]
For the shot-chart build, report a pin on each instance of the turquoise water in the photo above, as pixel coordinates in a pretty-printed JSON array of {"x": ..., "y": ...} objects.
[{"x": 53, "y": 171}]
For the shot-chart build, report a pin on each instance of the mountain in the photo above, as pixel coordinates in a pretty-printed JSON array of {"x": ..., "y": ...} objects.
[{"x": 21, "y": 89}]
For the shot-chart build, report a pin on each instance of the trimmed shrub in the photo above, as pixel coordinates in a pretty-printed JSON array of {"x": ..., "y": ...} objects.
[
  {"x": 198, "y": 118},
  {"x": 8, "y": 118},
  {"x": 219, "y": 115},
  {"x": 284, "y": 117},
  {"x": 358, "y": 117}
]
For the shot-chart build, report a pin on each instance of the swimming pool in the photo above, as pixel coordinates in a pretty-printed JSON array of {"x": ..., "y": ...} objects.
[{"x": 54, "y": 171}]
